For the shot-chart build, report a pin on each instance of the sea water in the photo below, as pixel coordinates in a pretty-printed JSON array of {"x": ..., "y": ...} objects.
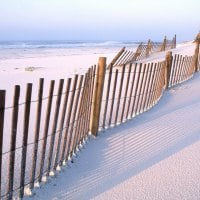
[{"x": 32, "y": 49}]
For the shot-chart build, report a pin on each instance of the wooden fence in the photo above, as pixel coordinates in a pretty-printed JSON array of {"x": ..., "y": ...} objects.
[
  {"x": 38, "y": 136},
  {"x": 61, "y": 124},
  {"x": 143, "y": 51}
]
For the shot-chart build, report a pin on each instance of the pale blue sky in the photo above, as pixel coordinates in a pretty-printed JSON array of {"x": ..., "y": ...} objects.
[{"x": 134, "y": 20}]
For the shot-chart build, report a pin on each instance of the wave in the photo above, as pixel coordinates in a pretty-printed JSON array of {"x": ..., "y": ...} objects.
[{"x": 62, "y": 44}]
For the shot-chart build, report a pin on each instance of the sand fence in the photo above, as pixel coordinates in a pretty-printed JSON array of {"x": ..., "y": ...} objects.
[{"x": 44, "y": 131}]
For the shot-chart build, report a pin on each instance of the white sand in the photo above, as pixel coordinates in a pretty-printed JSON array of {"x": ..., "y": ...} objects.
[
  {"x": 155, "y": 156},
  {"x": 18, "y": 71},
  {"x": 186, "y": 48}
]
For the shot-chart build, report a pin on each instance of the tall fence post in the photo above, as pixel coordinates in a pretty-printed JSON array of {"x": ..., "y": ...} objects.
[
  {"x": 13, "y": 138},
  {"x": 25, "y": 139},
  {"x": 2, "y": 110},
  {"x": 196, "y": 54},
  {"x": 98, "y": 95},
  {"x": 164, "y": 44},
  {"x": 168, "y": 60},
  {"x": 174, "y": 42},
  {"x": 148, "y": 49}
]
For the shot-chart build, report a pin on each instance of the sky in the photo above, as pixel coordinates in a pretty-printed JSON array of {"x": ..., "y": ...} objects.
[{"x": 127, "y": 20}]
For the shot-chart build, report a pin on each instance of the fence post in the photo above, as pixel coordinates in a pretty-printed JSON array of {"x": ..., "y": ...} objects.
[
  {"x": 168, "y": 60},
  {"x": 116, "y": 57},
  {"x": 98, "y": 95},
  {"x": 13, "y": 142},
  {"x": 25, "y": 139},
  {"x": 148, "y": 49},
  {"x": 196, "y": 54},
  {"x": 37, "y": 132},
  {"x": 164, "y": 44},
  {"x": 174, "y": 42},
  {"x": 2, "y": 110}
]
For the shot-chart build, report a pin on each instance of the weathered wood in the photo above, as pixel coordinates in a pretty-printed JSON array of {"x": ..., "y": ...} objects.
[
  {"x": 184, "y": 69},
  {"x": 98, "y": 95},
  {"x": 168, "y": 60},
  {"x": 73, "y": 119},
  {"x": 163, "y": 47},
  {"x": 173, "y": 68},
  {"x": 37, "y": 131},
  {"x": 107, "y": 96},
  {"x": 126, "y": 91},
  {"x": 61, "y": 124},
  {"x": 69, "y": 114},
  {"x": 119, "y": 61},
  {"x": 136, "y": 88},
  {"x": 93, "y": 71},
  {"x": 125, "y": 58},
  {"x": 153, "y": 86},
  {"x": 55, "y": 122},
  {"x": 179, "y": 59},
  {"x": 156, "y": 84},
  {"x": 150, "y": 82},
  {"x": 2, "y": 111},
  {"x": 174, "y": 42},
  {"x": 87, "y": 110},
  {"x": 119, "y": 94},
  {"x": 25, "y": 138},
  {"x": 81, "y": 111},
  {"x": 192, "y": 70},
  {"x": 46, "y": 129},
  {"x": 148, "y": 49},
  {"x": 116, "y": 57},
  {"x": 180, "y": 70},
  {"x": 92, "y": 95},
  {"x": 113, "y": 96},
  {"x": 92, "y": 75},
  {"x": 146, "y": 87},
  {"x": 159, "y": 86},
  {"x": 83, "y": 108},
  {"x": 196, "y": 53},
  {"x": 141, "y": 85},
  {"x": 13, "y": 142},
  {"x": 131, "y": 90}
]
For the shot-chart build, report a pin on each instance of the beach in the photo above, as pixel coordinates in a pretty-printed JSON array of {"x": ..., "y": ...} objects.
[
  {"x": 155, "y": 156},
  {"x": 56, "y": 64}
]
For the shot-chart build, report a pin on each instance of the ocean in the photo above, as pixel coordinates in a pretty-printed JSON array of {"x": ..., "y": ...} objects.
[{"x": 30, "y": 49}]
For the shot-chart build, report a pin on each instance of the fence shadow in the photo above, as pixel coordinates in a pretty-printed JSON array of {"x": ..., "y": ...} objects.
[
  {"x": 129, "y": 149},
  {"x": 52, "y": 126}
]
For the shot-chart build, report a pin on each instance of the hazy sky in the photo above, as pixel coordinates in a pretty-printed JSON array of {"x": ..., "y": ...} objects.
[{"x": 98, "y": 19}]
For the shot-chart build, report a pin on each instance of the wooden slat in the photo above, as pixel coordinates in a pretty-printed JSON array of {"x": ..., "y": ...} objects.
[
  {"x": 113, "y": 96},
  {"x": 131, "y": 90},
  {"x": 136, "y": 89},
  {"x": 61, "y": 124},
  {"x": 2, "y": 111},
  {"x": 46, "y": 129},
  {"x": 140, "y": 90},
  {"x": 146, "y": 86},
  {"x": 150, "y": 82},
  {"x": 69, "y": 115},
  {"x": 107, "y": 96},
  {"x": 25, "y": 138},
  {"x": 150, "y": 99},
  {"x": 37, "y": 131},
  {"x": 73, "y": 117},
  {"x": 126, "y": 91},
  {"x": 119, "y": 95},
  {"x": 13, "y": 142}
]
